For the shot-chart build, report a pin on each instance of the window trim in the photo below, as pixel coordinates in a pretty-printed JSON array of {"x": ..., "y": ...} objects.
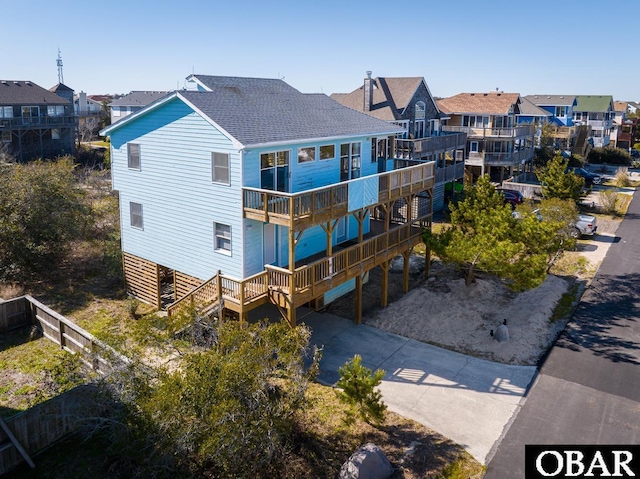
[
  {"x": 129, "y": 156},
  {"x": 307, "y": 160},
  {"x": 140, "y": 215},
  {"x": 216, "y": 237},
  {"x": 214, "y": 169},
  {"x": 333, "y": 146}
]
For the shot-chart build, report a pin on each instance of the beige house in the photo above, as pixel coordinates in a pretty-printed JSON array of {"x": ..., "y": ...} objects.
[{"x": 496, "y": 145}]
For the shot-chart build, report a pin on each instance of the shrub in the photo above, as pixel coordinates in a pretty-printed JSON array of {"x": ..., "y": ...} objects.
[
  {"x": 611, "y": 156},
  {"x": 609, "y": 201},
  {"x": 622, "y": 177},
  {"x": 357, "y": 385}
]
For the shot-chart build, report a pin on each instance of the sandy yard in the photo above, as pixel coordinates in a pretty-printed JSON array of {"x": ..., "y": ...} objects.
[
  {"x": 447, "y": 313},
  {"x": 443, "y": 311}
]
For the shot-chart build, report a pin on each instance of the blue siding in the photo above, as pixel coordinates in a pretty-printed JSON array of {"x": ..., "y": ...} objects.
[
  {"x": 313, "y": 174},
  {"x": 180, "y": 202}
]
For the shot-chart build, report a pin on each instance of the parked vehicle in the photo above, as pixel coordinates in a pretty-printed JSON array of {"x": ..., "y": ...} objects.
[
  {"x": 513, "y": 197},
  {"x": 586, "y": 225},
  {"x": 589, "y": 178}
]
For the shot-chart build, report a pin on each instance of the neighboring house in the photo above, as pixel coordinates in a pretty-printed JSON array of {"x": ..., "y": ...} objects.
[
  {"x": 34, "y": 122},
  {"x": 620, "y": 109},
  {"x": 597, "y": 113},
  {"x": 496, "y": 145},
  {"x": 134, "y": 101},
  {"x": 633, "y": 107},
  {"x": 254, "y": 190},
  {"x": 408, "y": 103},
  {"x": 559, "y": 106},
  {"x": 85, "y": 105},
  {"x": 530, "y": 114}
]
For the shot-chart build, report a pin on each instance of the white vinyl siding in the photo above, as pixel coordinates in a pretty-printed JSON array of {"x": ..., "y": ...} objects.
[{"x": 220, "y": 168}]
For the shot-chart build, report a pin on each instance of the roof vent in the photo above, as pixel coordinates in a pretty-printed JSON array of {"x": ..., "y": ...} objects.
[
  {"x": 561, "y": 96},
  {"x": 548, "y": 97},
  {"x": 4, "y": 82},
  {"x": 16, "y": 83},
  {"x": 28, "y": 83}
]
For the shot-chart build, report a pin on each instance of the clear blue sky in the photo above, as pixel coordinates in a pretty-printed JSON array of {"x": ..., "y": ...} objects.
[{"x": 546, "y": 46}]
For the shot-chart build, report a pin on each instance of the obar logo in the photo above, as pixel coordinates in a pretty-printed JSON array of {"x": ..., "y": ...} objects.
[{"x": 581, "y": 461}]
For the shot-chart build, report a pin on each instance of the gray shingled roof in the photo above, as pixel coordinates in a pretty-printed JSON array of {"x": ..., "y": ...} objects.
[
  {"x": 27, "y": 93},
  {"x": 263, "y": 85},
  {"x": 139, "y": 98},
  {"x": 257, "y": 113},
  {"x": 60, "y": 87},
  {"x": 527, "y": 108},
  {"x": 551, "y": 100}
]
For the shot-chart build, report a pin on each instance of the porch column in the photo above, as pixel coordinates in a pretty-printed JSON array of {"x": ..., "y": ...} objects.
[
  {"x": 384, "y": 293},
  {"x": 405, "y": 270},
  {"x": 358, "y": 302},
  {"x": 291, "y": 310}
]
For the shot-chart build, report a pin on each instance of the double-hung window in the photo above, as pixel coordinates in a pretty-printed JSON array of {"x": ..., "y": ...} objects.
[
  {"x": 133, "y": 156},
  {"x": 222, "y": 238},
  {"x": 135, "y": 214},
  {"x": 220, "y": 168}
]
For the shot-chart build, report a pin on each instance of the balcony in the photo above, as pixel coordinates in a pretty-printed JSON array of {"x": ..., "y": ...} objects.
[
  {"x": 500, "y": 159},
  {"x": 600, "y": 124},
  {"x": 302, "y": 210},
  {"x": 472, "y": 132},
  {"x": 308, "y": 281},
  {"x": 37, "y": 122},
  {"x": 422, "y": 147},
  {"x": 450, "y": 173}
]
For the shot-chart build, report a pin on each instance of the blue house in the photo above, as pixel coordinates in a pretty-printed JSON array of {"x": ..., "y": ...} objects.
[
  {"x": 243, "y": 191},
  {"x": 559, "y": 106}
]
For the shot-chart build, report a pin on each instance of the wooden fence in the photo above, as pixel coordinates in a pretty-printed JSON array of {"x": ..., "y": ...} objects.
[{"x": 42, "y": 425}]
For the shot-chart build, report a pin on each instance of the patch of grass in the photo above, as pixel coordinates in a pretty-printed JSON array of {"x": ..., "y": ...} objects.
[
  {"x": 565, "y": 305},
  {"x": 572, "y": 263},
  {"x": 459, "y": 470}
]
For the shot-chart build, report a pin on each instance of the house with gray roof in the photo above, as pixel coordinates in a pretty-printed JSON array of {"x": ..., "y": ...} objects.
[
  {"x": 238, "y": 192},
  {"x": 408, "y": 103},
  {"x": 134, "y": 101},
  {"x": 35, "y": 122}
]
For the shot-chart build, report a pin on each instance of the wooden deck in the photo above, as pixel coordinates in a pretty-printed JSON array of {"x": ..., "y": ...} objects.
[{"x": 303, "y": 210}]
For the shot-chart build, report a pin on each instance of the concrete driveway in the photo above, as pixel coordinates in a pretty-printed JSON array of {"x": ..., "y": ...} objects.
[{"x": 466, "y": 399}]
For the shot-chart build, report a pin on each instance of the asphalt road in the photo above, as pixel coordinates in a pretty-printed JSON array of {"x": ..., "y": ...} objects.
[{"x": 588, "y": 389}]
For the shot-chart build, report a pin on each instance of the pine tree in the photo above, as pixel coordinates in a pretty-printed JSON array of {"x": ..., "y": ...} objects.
[{"x": 357, "y": 389}]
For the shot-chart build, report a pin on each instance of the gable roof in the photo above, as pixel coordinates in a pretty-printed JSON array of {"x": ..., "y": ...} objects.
[
  {"x": 27, "y": 93},
  {"x": 257, "y": 85},
  {"x": 551, "y": 100},
  {"x": 256, "y": 113},
  {"x": 620, "y": 106},
  {"x": 139, "y": 98},
  {"x": 527, "y": 108},
  {"x": 492, "y": 103},
  {"x": 391, "y": 95},
  {"x": 592, "y": 103},
  {"x": 60, "y": 87}
]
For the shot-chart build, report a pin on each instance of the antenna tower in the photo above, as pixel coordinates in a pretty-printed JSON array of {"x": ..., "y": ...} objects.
[{"x": 59, "y": 63}]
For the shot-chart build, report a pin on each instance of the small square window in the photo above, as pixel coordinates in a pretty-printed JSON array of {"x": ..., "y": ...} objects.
[
  {"x": 306, "y": 155},
  {"x": 135, "y": 212},
  {"x": 222, "y": 235},
  {"x": 327, "y": 152},
  {"x": 133, "y": 156},
  {"x": 55, "y": 134},
  {"x": 220, "y": 168}
]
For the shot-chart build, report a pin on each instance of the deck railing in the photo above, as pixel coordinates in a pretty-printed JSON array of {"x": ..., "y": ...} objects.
[
  {"x": 417, "y": 148},
  {"x": 450, "y": 172},
  {"x": 310, "y": 280},
  {"x": 46, "y": 121},
  {"x": 510, "y": 158},
  {"x": 312, "y": 207},
  {"x": 513, "y": 132}
]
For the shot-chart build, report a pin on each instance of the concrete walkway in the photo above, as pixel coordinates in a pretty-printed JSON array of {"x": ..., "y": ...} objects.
[{"x": 466, "y": 399}]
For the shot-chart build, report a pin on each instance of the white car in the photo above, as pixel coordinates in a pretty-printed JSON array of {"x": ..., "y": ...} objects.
[{"x": 586, "y": 225}]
